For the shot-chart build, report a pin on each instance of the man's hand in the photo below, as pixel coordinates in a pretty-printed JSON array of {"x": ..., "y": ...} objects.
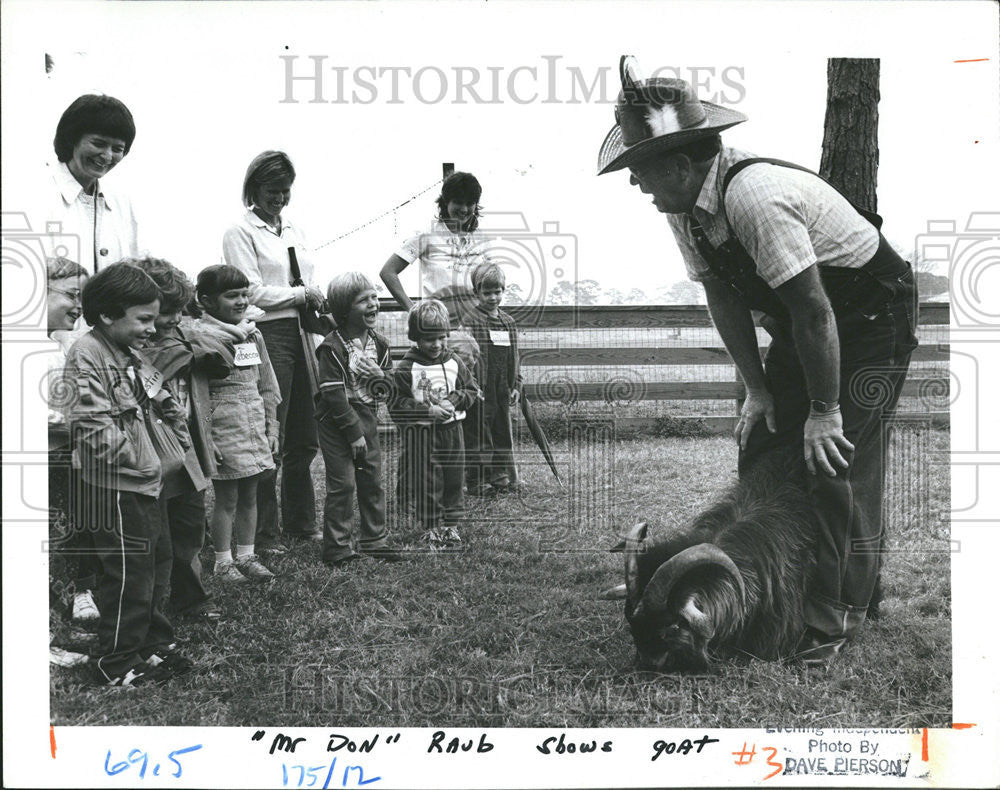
[
  {"x": 272, "y": 444},
  {"x": 823, "y": 441},
  {"x": 359, "y": 448},
  {"x": 219, "y": 458},
  {"x": 515, "y": 397},
  {"x": 759, "y": 403}
]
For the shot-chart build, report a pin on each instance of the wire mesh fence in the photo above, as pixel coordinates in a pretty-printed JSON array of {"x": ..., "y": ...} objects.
[{"x": 618, "y": 370}]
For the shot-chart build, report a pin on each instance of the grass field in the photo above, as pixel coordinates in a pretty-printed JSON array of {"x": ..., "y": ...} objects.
[{"x": 507, "y": 635}]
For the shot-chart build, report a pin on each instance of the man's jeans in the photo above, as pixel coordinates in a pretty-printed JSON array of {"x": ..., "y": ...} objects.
[{"x": 874, "y": 358}]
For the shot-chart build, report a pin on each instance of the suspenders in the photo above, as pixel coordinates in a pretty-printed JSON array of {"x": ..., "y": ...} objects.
[
  {"x": 873, "y": 218},
  {"x": 732, "y": 264}
]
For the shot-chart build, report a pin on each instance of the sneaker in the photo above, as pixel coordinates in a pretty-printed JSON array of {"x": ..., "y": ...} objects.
[
  {"x": 168, "y": 659},
  {"x": 451, "y": 537},
  {"x": 271, "y": 550},
  {"x": 817, "y": 649},
  {"x": 66, "y": 658},
  {"x": 139, "y": 675},
  {"x": 228, "y": 572},
  {"x": 433, "y": 539},
  {"x": 84, "y": 608},
  {"x": 480, "y": 491},
  {"x": 205, "y": 612},
  {"x": 501, "y": 484},
  {"x": 251, "y": 568}
]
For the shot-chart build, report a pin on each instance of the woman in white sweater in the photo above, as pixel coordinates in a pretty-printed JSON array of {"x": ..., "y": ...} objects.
[{"x": 258, "y": 246}]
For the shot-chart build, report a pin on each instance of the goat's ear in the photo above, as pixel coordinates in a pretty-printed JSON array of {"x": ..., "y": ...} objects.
[{"x": 698, "y": 621}]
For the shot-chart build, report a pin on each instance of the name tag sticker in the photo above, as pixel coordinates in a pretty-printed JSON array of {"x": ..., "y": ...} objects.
[
  {"x": 151, "y": 380},
  {"x": 246, "y": 355},
  {"x": 500, "y": 337}
]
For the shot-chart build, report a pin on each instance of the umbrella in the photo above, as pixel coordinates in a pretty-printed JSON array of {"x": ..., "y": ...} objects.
[
  {"x": 306, "y": 337},
  {"x": 539, "y": 436},
  {"x": 312, "y": 364}
]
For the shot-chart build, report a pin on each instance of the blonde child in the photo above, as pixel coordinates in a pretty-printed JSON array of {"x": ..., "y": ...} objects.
[
  {"x": 354, "y": 369},
  {"x": 432, "y": 389}
]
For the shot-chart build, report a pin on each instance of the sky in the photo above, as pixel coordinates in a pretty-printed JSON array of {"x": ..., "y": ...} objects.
[{"x": 209, "y": 87}]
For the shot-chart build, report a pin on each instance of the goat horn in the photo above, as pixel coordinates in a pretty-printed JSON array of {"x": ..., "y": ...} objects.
[
  {"x": 657, "y": 592},
  {"x": 698, "y": 620},
  {"x": 633, "y": 545},
  {"x": 616, "y": 593}
]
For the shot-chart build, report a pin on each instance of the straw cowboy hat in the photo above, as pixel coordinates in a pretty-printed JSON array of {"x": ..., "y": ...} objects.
[{"x": 657, "y": 115}]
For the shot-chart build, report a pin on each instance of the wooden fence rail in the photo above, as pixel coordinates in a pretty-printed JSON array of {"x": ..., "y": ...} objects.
[
  {"x": 556, "y": 387},
  {"x": 638, "y": 316}
]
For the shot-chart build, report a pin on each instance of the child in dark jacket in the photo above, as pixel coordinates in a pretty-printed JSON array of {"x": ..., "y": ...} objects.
[
  {"x": 354, "y": 367},
  {"x": 187, "y": 364},
  {"x": 111, "y": 420},
  {"x": 432, "y": 390},
  {"x": 488, "y": 434}
]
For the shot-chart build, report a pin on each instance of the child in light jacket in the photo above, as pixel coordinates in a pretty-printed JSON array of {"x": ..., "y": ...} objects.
[{"x": 244, "y": 420}]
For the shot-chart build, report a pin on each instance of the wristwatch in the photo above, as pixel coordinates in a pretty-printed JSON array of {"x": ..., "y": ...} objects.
[{"x": 823, "y": 407}]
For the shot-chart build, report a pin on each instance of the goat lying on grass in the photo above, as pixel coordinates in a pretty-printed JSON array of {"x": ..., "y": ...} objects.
[{"x": 732, "y": 581}]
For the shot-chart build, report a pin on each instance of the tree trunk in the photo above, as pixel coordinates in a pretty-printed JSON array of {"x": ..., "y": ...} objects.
[{"x": 850, "y": 132}]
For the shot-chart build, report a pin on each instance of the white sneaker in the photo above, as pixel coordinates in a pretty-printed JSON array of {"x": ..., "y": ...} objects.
[
  {"x": 251, "y": 568},
  {"x": 228, "y": 572},
  {"x": 433, "y": 540},
  {"x": 66, "y": 658},
  {"x": 84, "y": 608},
  {"x": 451, "y": 537}
]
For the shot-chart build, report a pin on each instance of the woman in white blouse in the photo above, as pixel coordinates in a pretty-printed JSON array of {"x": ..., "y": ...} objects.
[
  {"x": 448, "y": 253},
  {"x": 446, "y": 256},
  {"x": 258, "y": 246},
  {"x": 93, "y": 135}
]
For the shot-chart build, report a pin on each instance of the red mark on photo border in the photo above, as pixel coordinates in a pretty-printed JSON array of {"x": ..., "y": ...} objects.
[
  {"x": 925, "y": 752},
  {"x": 52, "y": 741},
  {"x": 971, "y": 60}
]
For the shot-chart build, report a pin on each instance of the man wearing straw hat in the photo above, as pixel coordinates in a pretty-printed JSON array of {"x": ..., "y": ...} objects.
[{"x": 768, "y": 236}]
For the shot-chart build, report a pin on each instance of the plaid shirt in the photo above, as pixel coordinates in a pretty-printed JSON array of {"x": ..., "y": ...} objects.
[{"x": 786, "y": 219}]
